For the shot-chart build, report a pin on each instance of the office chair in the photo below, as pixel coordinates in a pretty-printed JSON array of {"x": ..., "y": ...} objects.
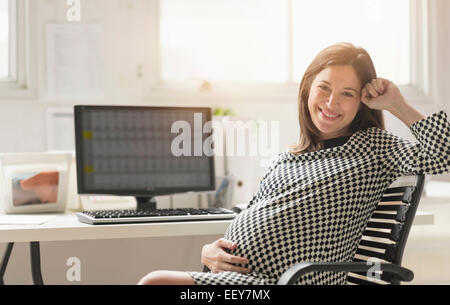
[{"x": 384, "y": 238}]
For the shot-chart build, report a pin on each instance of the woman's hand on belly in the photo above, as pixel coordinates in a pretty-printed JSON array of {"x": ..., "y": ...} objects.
[{"x": 217, "y": 259}]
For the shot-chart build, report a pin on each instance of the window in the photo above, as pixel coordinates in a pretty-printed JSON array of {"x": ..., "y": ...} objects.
[
  {"x": 216, "y": 40},
  {"x": 17, "y": 71},
  {"x": 4, "y": 39},
  {"x": 382, "y": 27},
  {"x": 266, "y": 41}
]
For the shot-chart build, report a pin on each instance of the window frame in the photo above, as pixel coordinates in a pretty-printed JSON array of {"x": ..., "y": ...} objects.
[
  {"x": 21, "y": 82},
  {"x": 417, "y": 91}
]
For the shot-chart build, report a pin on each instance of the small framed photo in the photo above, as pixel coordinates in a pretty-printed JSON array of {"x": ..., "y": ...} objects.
[{"x": 34, "y": 182}]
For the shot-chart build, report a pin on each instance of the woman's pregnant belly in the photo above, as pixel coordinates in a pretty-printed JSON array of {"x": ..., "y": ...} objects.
[
  {"x": 275, "y": 237},
  {"x": 263, "y": 239}
]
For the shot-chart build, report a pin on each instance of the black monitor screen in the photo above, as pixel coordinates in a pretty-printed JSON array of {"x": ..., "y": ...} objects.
[{"x": 128, "y": 150}]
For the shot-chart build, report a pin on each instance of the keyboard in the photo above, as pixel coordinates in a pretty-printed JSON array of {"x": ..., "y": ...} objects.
[{"x": 155, "y": 215}]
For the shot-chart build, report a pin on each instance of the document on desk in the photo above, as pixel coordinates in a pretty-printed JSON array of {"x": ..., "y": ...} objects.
[{"x": 25, "y": 219}]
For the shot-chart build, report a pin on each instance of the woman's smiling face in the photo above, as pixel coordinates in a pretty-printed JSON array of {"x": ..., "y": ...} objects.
[{"x": 334, "y": 100}]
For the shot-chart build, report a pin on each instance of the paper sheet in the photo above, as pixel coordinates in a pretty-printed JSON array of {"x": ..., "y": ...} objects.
[
  {"x": 24, "y": 219},
  {"x": 74, "y": 61}
]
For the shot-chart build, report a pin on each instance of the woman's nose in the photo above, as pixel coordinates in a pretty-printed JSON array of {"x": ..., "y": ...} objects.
[{"x": 333, "y": 100}]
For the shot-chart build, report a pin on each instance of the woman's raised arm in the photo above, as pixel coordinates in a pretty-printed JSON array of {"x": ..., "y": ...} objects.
[{"x": 431, "y": 155}]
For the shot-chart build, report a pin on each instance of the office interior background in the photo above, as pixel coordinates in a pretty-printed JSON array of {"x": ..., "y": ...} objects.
[{"x": 246, "y": 57}]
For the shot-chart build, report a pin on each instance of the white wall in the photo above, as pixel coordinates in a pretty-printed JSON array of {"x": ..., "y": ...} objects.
[{"x": 125, "y": 46}]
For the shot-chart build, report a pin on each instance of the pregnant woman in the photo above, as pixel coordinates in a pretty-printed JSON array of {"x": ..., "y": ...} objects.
[{"x": 313, "y": 203}]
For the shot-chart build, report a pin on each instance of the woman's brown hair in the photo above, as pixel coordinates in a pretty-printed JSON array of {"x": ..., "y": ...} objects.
[{"x": 337, "y": 54}]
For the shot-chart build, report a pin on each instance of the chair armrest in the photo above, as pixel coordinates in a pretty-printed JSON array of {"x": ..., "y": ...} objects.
[{"x": 291, "y": 276}]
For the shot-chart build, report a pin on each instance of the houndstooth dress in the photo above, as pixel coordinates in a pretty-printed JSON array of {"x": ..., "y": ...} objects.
[{"x": 314, "y": 207}]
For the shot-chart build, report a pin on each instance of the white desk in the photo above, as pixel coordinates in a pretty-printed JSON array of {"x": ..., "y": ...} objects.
[{"x": 67, "y": 227}]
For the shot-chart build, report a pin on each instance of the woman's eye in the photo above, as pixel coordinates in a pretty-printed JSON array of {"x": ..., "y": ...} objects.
[
  {"x": 324, "y": 88},
  {"x": 348, "y": 94}
]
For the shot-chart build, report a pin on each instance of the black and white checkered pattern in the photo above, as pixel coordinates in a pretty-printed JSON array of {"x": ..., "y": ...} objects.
[{"x": 314, "y": 207}]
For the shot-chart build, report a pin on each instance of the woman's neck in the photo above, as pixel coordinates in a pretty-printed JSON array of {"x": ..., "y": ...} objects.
[{"x": 335, "y": 137}]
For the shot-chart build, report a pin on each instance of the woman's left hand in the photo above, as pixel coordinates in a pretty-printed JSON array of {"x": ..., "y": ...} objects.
[{"x": 381, "y": 94}]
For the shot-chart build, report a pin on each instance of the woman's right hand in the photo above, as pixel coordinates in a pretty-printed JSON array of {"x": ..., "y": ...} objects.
[{"x": 217, "y": 259}]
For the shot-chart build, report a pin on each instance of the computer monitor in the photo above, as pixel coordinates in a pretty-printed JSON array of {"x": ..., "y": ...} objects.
[{"x": 143, "y": 151}]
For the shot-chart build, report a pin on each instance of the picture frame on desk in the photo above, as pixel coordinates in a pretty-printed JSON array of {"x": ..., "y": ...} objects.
[{"x": 34, "y": 182}]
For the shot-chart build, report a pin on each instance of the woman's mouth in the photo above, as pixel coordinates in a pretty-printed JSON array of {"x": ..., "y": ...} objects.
[{"x": 329, "y": 116}]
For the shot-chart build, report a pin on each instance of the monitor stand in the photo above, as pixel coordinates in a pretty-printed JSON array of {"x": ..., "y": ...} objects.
[{"x": 145, "y": 203}]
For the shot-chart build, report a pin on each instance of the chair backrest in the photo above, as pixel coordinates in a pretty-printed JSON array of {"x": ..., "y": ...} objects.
[{"x": 387, "y": 231}]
